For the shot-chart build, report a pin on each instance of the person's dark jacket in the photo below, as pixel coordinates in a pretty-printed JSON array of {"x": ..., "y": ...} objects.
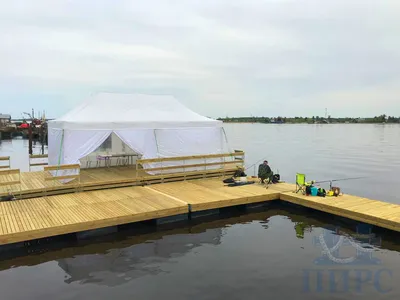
[
  {"x": 264, "y": 171},
  {"x": 239, "y": 173}
]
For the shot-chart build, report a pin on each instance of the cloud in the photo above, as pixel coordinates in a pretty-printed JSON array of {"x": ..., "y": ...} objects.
[{"x": 220, "y": 58}]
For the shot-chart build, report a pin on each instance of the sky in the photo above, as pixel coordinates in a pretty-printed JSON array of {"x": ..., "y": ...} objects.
[{"x": 218, "y": 57}]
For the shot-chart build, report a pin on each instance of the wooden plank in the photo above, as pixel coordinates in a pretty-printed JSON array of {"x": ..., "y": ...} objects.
[
  {"x": 32, "y": 220},
  {"x": 62, "y": 167},
  {"x": 193, "y": 166},
  {"x": 2, "y": 231},
  {"x": 61, "y": 177},
  {"x": 4, "y": 167},
  {"x": 9, "y": 172},
  {"x": 4, "y": 158},
  {"x": 18, "y": 209},
  {"x": 3, "y": 224},
  {"x": 10, "y": 223},
  {"x": 38, "y": 164},
  {"x": 14, "y": 182},
  {"x": 20, "y": 222},
  {"x": 38, "y": 156},
  {"x": 191, "y": 157}
]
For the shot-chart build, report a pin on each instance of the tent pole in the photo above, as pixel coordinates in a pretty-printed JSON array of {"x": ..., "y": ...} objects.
[
  {"x": 222, "y": 150},
  {"x": 59, "y": 153},
  {"x": 137, "y": 170},
  {"x": 226, "y": 140},
  {"x": 158, "y": 155}
]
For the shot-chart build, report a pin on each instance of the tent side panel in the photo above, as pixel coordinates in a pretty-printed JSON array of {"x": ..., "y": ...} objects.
[
  {"x": 69, "y": 146},
  {"x": 79, "y": 143},
  {"x": 55, "y": 147},
  {"x": 186, "y": 142}
]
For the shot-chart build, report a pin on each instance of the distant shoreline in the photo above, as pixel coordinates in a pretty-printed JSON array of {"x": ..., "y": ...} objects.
[
  {"x": 283, "y": 123},
  {"x": 382, "y": 119}
]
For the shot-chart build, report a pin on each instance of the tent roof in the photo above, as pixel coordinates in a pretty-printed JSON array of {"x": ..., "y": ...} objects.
[{"x": 127, "y": 111}]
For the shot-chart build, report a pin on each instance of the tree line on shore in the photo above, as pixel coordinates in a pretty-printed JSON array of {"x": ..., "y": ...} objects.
[{"x": 311, "y": 120}]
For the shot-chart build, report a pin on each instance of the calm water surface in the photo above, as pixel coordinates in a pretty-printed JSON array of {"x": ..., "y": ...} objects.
[{"x": 273, "y": 254}]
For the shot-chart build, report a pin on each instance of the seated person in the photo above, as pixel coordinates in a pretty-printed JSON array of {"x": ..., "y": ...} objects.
[
  {"x": 238, "y": 173},
  {"x": 265, "y": 173}
]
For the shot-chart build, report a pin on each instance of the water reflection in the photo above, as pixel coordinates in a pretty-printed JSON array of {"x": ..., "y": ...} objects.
[
  {"x": 300, "y": 228},
  {"x": 119, "y": 265}
]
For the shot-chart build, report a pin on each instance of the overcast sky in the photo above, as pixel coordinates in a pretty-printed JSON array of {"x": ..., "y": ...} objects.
[{"x": 218, "y": 57}]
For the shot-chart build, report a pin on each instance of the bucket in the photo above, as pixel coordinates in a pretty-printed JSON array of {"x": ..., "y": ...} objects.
[{"x": 314, "y": 191}]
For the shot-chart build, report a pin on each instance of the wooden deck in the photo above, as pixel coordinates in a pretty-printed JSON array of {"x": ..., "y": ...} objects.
[
  {"x": 34, "y": 218},
  {"x": 33, "y": 184},
  {"x": 379, "y": 213},
  {"x": 211, "y": 194}
]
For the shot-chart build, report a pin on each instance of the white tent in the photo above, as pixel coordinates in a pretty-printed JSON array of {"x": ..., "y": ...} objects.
[{"x": 152, "y": 126}]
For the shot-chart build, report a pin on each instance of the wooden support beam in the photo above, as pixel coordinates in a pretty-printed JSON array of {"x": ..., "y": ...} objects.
[
  {"x": 191, "y": 157},
  {"x": 193, "y": 166},
  {"x": 38, "y": 156},
  {"x": 62, "y": 167},
  {"x": 5, "y": 183},
  {"x": 38, "y": 164},
  {"x": 9, "y": 172},
  {"x": 61, "y": 177}
]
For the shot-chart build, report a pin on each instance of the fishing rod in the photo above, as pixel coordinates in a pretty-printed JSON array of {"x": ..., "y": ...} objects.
[
  {"x": 264, "y": 158},
  {"x": 341, "y": 179}
]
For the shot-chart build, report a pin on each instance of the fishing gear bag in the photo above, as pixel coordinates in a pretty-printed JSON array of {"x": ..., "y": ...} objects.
[
  {"x": 228, "y": 180},
  {"x": 276, "y": 178},
  {"x": 308, "y": 189},
  {"x": 321, "y": 192}
]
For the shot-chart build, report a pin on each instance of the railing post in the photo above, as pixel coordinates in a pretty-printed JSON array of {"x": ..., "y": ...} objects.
[
  {"x": 223, "y": 166},
  {"x": 184, "y": 170},
  {"x": 205, "y": 167},
  {"x": 20, "y": 185},
  {"x": 137, "y": 170},
  {"x": 79, "y": 180},
  {"x": 162, "y": 171}
]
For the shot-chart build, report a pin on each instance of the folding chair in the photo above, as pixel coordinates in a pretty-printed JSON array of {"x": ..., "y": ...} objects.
[{"x": 300, "y": 183}]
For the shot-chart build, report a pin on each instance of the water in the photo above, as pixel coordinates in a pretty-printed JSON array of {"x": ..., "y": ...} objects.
[
  {"x": 326, "y": 152},
  {"x": 266, "y": 255},
  {"x": 18, "y": 150}
]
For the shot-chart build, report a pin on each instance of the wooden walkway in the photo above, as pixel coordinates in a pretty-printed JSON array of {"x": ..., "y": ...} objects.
[
  {"x": 211, "y": 194},
  {"x": 33, "y": 184},
  {"x": 379, "y": 213},
  {"x": 35, "y": 218}
]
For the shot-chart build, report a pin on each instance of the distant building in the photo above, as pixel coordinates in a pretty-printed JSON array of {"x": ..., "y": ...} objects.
[{"x": 4, "y": 119}]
